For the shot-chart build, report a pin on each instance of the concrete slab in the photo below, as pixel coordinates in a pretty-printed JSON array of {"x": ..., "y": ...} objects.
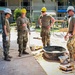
[
  {"x": 52, "y": 67},
  {"x": 25, "y": 65}
]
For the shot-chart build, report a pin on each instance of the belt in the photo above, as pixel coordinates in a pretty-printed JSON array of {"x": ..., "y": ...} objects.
[
  {"x": 46, "y": 27},
  {"x": 21, "y": 30}
]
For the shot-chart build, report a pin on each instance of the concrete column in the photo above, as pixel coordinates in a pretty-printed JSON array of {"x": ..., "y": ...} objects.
[
  {"x": 20, "y": 3},
  {"x": 7, "y": 2}
]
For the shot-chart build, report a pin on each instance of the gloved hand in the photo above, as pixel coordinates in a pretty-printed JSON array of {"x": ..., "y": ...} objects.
[{"x": 7, "y": 38}]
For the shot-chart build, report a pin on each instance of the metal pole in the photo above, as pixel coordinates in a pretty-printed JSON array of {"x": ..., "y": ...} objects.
[
  {"x": 30, "y": 10},
  {"x": 43, "y": 2},
  {"x": 20, "y": 3},
  {"x": 7, "y": 3},
  {"x": 29, "y": 35}
]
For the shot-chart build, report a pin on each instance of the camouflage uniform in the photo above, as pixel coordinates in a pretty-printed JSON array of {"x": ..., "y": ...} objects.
[
  {"x": 6, "y": 42},
  {"x": 71, "y": 41},
  {"x": 45, "y": 31},
  {"x": 22, "y": 33}
]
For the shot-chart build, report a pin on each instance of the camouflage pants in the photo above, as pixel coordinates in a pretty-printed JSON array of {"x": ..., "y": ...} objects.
[
  {"x": 45, "y": 34},
  {"x": 22, "y": 41},
  {"x": 6, "y": 45},
  {"x": 71, "y": 47}
]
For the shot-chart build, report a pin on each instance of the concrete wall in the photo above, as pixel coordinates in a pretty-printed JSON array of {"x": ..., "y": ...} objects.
[
  {"x": 38, "y": 4},
  {"x": 13, "y": 2}
]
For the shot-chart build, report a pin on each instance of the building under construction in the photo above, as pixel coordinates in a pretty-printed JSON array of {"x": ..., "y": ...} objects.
[{"x": 54, "y": 7}]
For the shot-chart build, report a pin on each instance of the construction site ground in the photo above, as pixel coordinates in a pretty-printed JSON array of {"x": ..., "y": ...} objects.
[{"x": 34, "y": 63}]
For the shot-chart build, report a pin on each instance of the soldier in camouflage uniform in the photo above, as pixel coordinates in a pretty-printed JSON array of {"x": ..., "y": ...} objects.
[
  {"x": 6, "y": 34},
  {"x": 44, "y": 21},
  {"x": 71, "y": 33},
  {"x": 22, "y": 29}
]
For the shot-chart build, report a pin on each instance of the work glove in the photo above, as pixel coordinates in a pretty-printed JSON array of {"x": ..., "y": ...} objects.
[{"x": 7, "y": 38}]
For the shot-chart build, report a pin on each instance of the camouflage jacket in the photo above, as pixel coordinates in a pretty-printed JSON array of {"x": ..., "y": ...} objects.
[{"x": 21, "y": 21}]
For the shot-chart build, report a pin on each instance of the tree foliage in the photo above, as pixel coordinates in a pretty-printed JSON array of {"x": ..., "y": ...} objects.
[{"x": 17, "y": 13}]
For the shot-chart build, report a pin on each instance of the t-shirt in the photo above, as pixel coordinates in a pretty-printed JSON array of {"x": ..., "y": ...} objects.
[
  {"x": 45, "y": 20},
  {"x": 5, "y": 22},
  {"x": 71, "y": 24}
]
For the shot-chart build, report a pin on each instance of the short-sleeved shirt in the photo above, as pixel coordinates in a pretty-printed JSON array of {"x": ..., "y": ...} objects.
[
  {"x": 21, "y": 21},
  {"x": 5, "y": 22},
  {"x": 71, "y": 24},
  {"x": 45, "y": 19}
]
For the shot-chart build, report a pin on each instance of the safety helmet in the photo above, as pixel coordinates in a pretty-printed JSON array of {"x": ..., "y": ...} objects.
[
  {"x": 44, "y": 9},
  {"x": 7, "y": 10},
  {"x": 70, "y": 8},
  {"x": 23, "y": 10}
]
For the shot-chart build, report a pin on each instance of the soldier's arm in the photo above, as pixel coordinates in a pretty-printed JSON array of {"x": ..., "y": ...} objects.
[
  {"x": 73, "y": 33},
  {"x": 18, "y": 22},
  {"x": 65, "y": 37},
  {"x": 74, "y": 30},
  {"x": 28, "y": 25},
  {"x": 4, "y": 26},
  {"x": 6, "y": 33},
  {"x": 39, "y": 20},
  {"x": 74, "y": 27},
  {"x": 52, "y": 21}
]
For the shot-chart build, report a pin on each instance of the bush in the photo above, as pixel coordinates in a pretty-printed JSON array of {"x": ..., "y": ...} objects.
[
  {"x": 17, "y": 13},
  {"x": 13, "y": 24}
]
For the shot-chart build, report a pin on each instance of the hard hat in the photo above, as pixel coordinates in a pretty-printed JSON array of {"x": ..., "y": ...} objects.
[
  {"x": 70, "y": 8},
  {"x": 23, "y": 10},
  {"x": 7, "y": 10},
  {"x": 44, "y": 9}
]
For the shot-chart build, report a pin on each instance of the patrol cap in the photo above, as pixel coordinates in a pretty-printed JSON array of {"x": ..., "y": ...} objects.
[
  {"x": 70, "y": 8},
  {"x": 7, "y": 10}
]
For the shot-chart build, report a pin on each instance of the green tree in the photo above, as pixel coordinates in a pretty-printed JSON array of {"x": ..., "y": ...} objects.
[{"x": 17, "y": 13}]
